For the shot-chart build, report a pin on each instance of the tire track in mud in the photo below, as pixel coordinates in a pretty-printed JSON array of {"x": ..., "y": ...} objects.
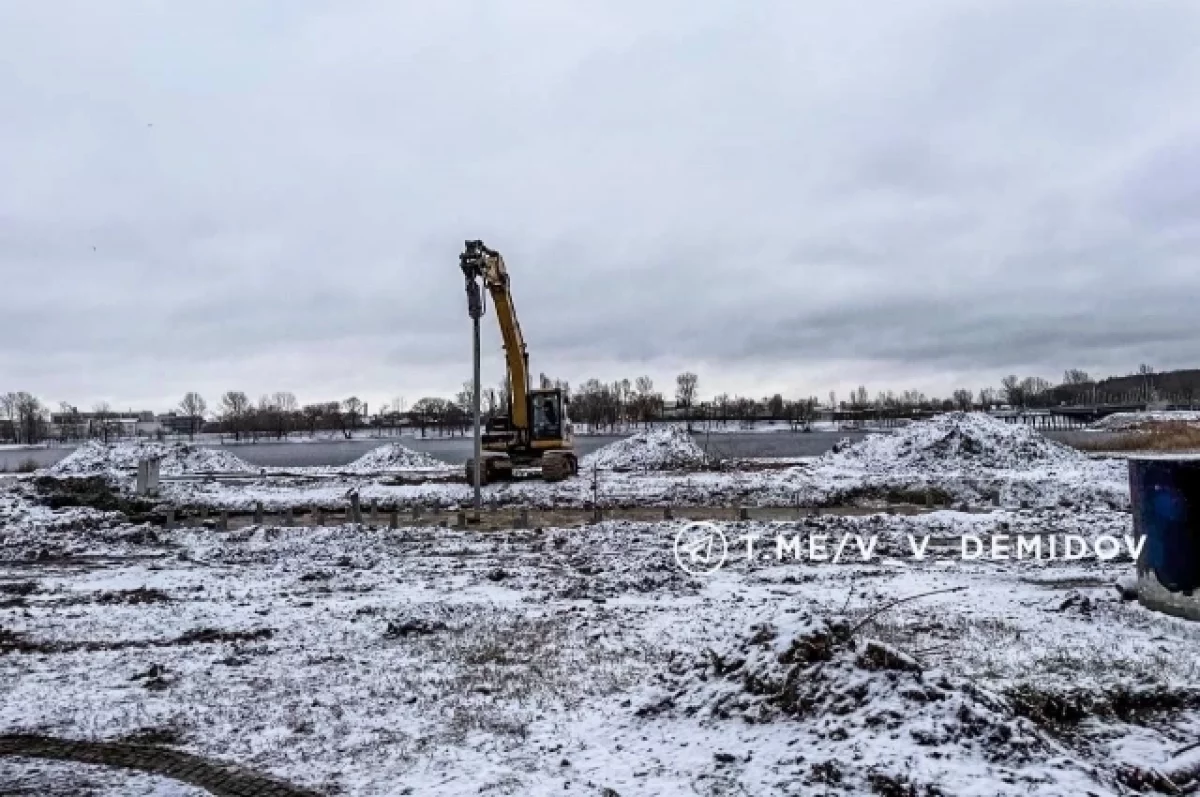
[{"x": 216, "y": 777}]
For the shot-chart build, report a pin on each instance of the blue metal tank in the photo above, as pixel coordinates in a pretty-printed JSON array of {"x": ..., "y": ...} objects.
[{"x": 1165, "y": 494}]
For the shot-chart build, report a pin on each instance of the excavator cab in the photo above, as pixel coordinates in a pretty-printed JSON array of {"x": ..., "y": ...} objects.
[{"x": 549, "y": 414}]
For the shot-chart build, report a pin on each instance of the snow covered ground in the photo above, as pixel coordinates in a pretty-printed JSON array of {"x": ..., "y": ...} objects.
[
  {"x": 361, "y": 660},
  {"x": 367, "y": 661},
  {"x": 1125, "y": 421}
]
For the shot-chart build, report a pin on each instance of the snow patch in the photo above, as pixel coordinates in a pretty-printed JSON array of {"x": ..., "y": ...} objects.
[
  {"x": 1126, "y": 421},
  {"x": 956, "y": 441},
  {"x": 176, "y": 459},
  {"x": 664, "y": 448},
  {"x": 969, "y": 457},
  {"x": 392, "y": 456}
]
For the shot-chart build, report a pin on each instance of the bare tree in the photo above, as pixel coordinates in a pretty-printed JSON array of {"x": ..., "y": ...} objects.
[
  {"x": 504, "y": 391},
  {"x": 285, "y": 409},
  {"x": 465, "y": 399},
  {"x": 193, "y": 407},
  {"x": 963, "y": 399},
  {"x": 685, "y": 393},
  {"x": 801, "y": 413},
  {"x": 8, "y": 405},
  {"x": 235, "y": 405},
  {"x": 1074, "y": 376},
  {"x": 354, "y": 410},
  {"x": 775, "y": 406},
  {"x": 1014, "y": 394},
  {"x": 646, "y": 401},
  {"x": 30, "y": 418},
  {"x": 102, "y": 413},
  {"x": 311, "y": 416},
  {"x": 685, "y": 389},
  {"x": 1034, "y": 389}
]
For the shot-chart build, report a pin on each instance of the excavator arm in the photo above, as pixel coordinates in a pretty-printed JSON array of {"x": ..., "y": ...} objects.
[{"x": 480, "y": 264}]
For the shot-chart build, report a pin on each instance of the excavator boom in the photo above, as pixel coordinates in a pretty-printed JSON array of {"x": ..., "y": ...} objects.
[{"x": 486, "y": 265}]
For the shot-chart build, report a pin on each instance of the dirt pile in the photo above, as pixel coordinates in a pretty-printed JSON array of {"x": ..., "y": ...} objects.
[
  {"x": 30, "y": 529},
  {"x": 956, "y": 441},
  {"x": 392, "y": 456},
  {"x": 665, "y": 448},
  {"x": 119, "y": 460},
  {"x": 864, "y": 710},
  {"x": 614, "y": 558},
  {"x": 970, "y": 458}
]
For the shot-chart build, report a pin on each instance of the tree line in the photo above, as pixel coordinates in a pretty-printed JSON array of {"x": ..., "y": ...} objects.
[{"x": 601, "y": 405}]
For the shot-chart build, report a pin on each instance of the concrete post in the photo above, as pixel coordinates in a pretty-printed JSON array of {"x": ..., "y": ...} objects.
[
  {"x": 288, "y": 519},
  {"x": 355, "y": 509},
  {"x": 224, "y": 520},
  {"x": 258, "y": 513},
  {"x": 394, "y": 519},
  {"x": 170, "y": 523},
  {"x": 743, "y": 513},
  {"x": 318, "y": 516}
]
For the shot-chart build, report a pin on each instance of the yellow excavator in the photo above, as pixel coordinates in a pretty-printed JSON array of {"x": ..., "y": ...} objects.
[{"x": 535, "y": 429}]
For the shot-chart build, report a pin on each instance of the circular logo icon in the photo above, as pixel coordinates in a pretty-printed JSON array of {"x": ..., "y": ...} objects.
[{"x": 700, "y": 548}]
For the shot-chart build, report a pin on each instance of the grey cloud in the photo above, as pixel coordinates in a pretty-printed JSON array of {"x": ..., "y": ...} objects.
[{"x": 792, "y": 196}]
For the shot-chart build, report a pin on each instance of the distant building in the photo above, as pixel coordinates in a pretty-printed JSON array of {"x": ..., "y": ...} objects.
[
  {"x": 174, "y": 423},
  {"x": 93, "y": 424}
]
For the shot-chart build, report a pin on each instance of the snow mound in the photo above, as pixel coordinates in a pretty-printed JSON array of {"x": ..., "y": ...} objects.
[
  {"x": 176, "y": 459},
  {"x": 665, "y": 448},
  {"x": 955, "y": 441},
  {"x": 1126, "y": 421},
  {"x": 392, "y": 456},
  {"x": 964, "y": 457}
]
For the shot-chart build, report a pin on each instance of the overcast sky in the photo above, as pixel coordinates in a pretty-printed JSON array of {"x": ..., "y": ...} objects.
[{"x": 780, "y": 196}]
